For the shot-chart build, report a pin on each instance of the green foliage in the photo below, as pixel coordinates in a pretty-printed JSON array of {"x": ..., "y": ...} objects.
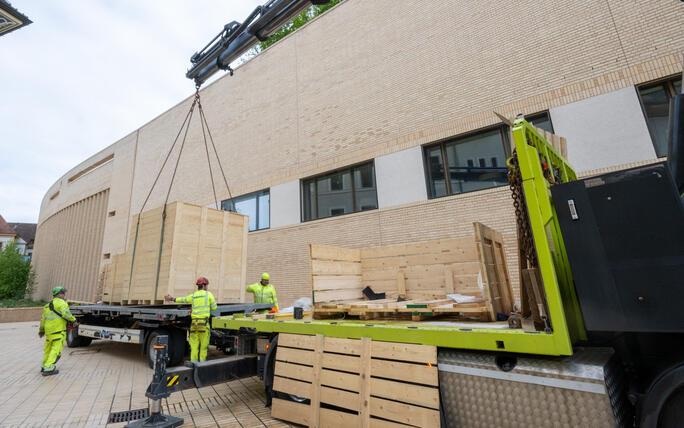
[
  {"x": 21, "y": 303},
  {"x": 16, "y": 274},
  {"x": 296, "y": 22}
]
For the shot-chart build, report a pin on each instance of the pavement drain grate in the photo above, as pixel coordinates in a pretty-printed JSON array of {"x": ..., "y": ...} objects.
[{"x": 127, "y": 415}]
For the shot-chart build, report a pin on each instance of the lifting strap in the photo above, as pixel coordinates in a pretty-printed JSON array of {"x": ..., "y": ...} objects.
[{"x": 185, "y": 126}]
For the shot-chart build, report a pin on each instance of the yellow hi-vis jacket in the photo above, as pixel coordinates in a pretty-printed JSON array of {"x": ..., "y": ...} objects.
[
  {"x": 51, "y": 322},
  {"x": 203, "y": 303},
  {"x": 263, "y": 293}
]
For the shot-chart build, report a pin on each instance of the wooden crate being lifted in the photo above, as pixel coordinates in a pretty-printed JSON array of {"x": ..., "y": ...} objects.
[
  {"x": 423, "y": 273},
  {"x": 197, "y": 241}
]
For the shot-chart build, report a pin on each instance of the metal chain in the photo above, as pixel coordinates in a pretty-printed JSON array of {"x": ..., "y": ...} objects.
[{"x": 527, "y": 250}]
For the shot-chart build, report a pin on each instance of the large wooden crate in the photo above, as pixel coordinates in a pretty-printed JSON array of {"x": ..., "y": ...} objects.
[
  {"x": 352, "y": 382},
  {"x": 197, "y": 241},
  {"x": 423, "y": 273}
]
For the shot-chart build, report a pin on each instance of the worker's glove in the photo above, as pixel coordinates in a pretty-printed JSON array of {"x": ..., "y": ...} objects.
[
  {"x": 75, "y": 324},
  {"x": 168, "y": 298},
  {"x": 274, "y": 310},
  {"x": 41, "y": 334}
]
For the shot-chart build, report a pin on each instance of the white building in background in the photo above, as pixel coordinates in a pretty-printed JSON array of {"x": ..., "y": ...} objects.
[{"x": 8, "y": 235}]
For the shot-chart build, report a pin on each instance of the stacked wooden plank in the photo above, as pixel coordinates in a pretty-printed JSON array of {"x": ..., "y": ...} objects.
[
  {"x": 422, "y": 274},
  {"x": 351, "y": 382},
  {"x": 167, "y": 256}
]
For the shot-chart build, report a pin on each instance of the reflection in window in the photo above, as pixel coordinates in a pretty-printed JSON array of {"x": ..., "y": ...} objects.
[
  {"x": 655, "y": 100},
  {"x": 474, "y": 162},
  {"x": 340, "y": 192},
  {"x": 255, "y": 205},
  {"x": 541, "y": 120}
]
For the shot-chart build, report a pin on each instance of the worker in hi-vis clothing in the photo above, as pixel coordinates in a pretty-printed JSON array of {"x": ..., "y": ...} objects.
[
  {"x": 53, "y": 325},
  {"x": 203, "y": 303},
  {"x": 264, "y": 292}
]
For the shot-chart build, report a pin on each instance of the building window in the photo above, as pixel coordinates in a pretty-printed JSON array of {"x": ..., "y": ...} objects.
[
  {"x": 341, "y": 192},
  {"x": 541, "y": 120},
  {"x": 655, "y": 102},
  {"x": 474, "y": 162},
  {"x": 255, "y": 205}
]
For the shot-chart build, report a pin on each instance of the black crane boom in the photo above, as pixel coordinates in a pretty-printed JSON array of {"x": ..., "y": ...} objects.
[{"x": 236, "y": 38}]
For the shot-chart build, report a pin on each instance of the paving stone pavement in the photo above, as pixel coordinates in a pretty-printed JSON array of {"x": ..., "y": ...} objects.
[{"x": 108, "y": 377}]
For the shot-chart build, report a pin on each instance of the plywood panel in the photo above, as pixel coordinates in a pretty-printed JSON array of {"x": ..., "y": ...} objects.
[
  {"x": 472, "y": 266},
  {"x": 365, "y": 381},
  {"x": 196, "y": 241}
]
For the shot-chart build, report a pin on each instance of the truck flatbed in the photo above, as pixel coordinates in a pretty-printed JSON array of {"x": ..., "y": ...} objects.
[{"x": 162, "y": 313}]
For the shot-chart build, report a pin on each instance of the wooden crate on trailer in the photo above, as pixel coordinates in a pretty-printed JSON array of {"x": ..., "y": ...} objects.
[
  {"x": 197, "y": 241},
  {"x": 422, "y": 273},
  {"x": 352, "y": 382}
]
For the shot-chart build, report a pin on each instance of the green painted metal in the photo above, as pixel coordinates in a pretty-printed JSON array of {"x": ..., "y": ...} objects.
[
  {"x": 424, "y": 333},
  {"x": 564, "y": 311}
]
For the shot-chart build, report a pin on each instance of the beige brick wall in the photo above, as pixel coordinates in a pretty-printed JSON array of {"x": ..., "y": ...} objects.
[{"x": 374, "y": 77}]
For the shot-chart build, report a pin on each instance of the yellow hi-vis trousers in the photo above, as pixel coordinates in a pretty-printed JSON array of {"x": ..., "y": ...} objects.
[
  {"x": 199, "y": 338},
  {"x": 54, "y": 342}
]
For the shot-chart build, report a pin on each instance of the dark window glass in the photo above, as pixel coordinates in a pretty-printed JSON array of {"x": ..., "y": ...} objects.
[
  {"x": 341, "y": 192},
  {"x": 336, "y": 182},
  {"x": 485, "y": 149},
  {"x": 334, "y": 192},
  {"x": 264, "y": 219},
  {"x": 255, "y": 205},
  {"x": 309, "y": 199},
  {"x": 655, "y": 100},
  {"x": 657, "y": 108},
  {"x": 365, "y": 193},
  {"x": 435, "y": 166},
  {"x": 541, "y": 120}
]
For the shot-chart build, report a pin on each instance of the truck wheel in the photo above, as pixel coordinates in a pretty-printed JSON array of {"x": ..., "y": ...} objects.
[
  {"x": 269, "y": 368},
  {"x": 151, "y": 341},
  {"x": 672, "y": 413},
  {"x": 177, "y": 344},
  {"x": 664, "y": 402},
  {"x": 176, "y": 347},
  {"x": 73, "y": 340},
  {"x": 85, "y": 341}
]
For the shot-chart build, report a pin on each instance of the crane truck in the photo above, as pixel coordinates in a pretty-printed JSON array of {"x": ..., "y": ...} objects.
[{"x": 609, "y": 250}]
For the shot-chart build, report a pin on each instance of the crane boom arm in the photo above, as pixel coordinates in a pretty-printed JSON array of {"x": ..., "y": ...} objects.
[{"x": 236, "y": 38}]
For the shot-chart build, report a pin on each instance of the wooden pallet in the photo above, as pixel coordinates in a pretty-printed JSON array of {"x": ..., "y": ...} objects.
[
  {"x": 422, "y": 271},
  {"x": 351, "y": 382},
  {"x": 414, "y": 309}
]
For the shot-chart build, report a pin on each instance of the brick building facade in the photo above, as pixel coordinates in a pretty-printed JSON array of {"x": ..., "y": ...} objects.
[{"x": 381, "y": 84}]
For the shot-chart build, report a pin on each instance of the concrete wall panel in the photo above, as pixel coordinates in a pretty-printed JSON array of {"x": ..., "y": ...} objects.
[
  {"x": 285, "y": 204},
  {"x": 400, "y": 177},
  {"x": 604, "y": 131}
]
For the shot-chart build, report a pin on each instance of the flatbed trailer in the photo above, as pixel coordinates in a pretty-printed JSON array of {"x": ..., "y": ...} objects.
[
  {"x": 620, "y": 371},
  {"x": 142, "y": 324}
]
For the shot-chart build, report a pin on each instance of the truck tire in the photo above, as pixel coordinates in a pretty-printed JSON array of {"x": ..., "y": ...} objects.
[
  {"x": 662, "y": 407},
  {"x": 672, "y": 413},
  {"x": 176, "y": 345},
  {"x": 269, "y": 368},
  {"x": 269, "y": 371},
  {"x": 73, "y": 340}
]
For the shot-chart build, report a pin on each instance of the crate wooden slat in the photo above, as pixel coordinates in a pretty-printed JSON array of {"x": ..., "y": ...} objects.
[
  {"x": 197, "y": 241},
  {"x": 369, "y": 383},
  {"x": 420, "y": 272}
]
